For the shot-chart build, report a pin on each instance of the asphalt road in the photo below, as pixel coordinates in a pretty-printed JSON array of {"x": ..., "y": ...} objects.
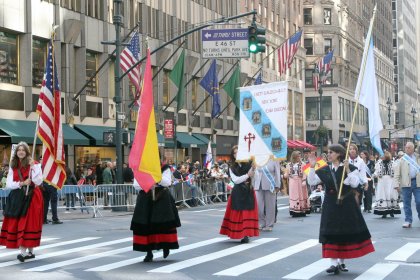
[{"x": 101, "y": 248}]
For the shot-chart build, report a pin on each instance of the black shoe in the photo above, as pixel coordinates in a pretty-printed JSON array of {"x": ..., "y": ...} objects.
[
  {"x": 149, "y": 257},
  {"x": 392, "y": 215},
  {"x": 245, "y": 240},
  {"x": 57, "y": 222},
  {"x": 21, "y": 258},
  {"x": 333, "y": 269},
  {"x": 343, "y": 267},
  {"x": 384, "y": 216},
  {"x": 67, "y": 209},
  {"x": 30, "y": 256},
  {"x": 165, "y": 253},
  {"x": 369, "y": 211}
]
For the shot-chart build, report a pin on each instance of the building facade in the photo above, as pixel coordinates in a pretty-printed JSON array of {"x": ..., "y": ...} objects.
[
  {"x": 405, "y": 59},
  {"x": 342, "y": 26}
]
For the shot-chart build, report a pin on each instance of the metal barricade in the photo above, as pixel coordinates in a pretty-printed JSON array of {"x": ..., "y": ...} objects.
[
  {"x": 72, "y": 194},
  {"x": 4, "y": 193},
  {"x": 117, "y": 197}
]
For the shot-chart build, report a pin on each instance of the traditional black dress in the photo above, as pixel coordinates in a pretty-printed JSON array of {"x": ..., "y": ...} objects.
[
  {"x": 241, "y": 216},
  {"x": 155, "y": 221},
  {"x": 343, "y": 231}
]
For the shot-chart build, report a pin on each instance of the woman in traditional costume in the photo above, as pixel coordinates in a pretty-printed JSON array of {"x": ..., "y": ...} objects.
[
  {"x": 386, "y": 191},
  {"x": 299, "y": 204},
  {"x": 23, "y": 215},
  {"x": 155, "y": 219},
  {"x": 241, "y": 216},
  {"x": 343, "y": 231}
]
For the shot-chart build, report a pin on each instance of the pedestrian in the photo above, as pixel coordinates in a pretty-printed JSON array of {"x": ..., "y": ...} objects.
[
  {"x": 299, "y": 204},
  {"x": 343, "y": 231},
  {"x": 368, "y": 189},
  {"x": 241, "y": 216},
  {"x": 70, "y": 196},
  {"x": 358, "y": 162},
  {"x": 386, "y": 190},
  {"x": 23, "y": 216},
  {"x": 407, "y": 177},
  {"x": 267, "y": 183},
  {"x": 155, "y": 219},
  {"x": 50, "y": 195}
]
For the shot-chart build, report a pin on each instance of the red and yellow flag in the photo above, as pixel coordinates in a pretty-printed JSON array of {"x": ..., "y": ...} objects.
[
  {"x": 144, "y": 154},
  {"x": 319, "y": 164}
]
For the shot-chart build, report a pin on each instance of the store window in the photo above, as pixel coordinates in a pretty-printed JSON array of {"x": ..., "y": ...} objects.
[
  {"x": 312, "y": 111},
  {"x": 90, "y": 156},
  {"x": 309, "y": 46},
  {"x": 326, "y": 109},
  {"x": 307, "y": 16},
  {"x": 8, "y": 58},
  {"x": 91, "y": 66},
  {"x": 39, "y": 56}
]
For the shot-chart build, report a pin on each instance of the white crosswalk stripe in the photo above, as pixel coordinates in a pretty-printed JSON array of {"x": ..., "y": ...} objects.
[
  {"x": 69, "y": 251},
  {"x": 111, "y": 266},
  {"x": 43, "y": 247},
  {"x": 378, "y": 271},
  {"x": 212, "y": 256},
  {"x": 402, "y": 254},
  {"x": 309, "y": 271},
  {"x": 268, "y": 259}
]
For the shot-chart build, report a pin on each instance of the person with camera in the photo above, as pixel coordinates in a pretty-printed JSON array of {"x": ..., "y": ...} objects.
[{"x": 23, "y": 215}]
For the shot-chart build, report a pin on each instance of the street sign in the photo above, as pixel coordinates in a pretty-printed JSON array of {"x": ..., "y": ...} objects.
[
  {"x": 224, "y": 43},
  {"x": 168, "y": 128}
]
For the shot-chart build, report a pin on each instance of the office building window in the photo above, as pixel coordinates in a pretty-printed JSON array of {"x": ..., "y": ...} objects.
[
  {"x": 194, "y": 88},
  {"x": 309, "y": 46},
  {"x": 75, "y": 5},
  {"x": 8, "y": 58},
  {"x": 91, "y": 66},
  {"x": 166, "y": 95},
  {"x": 307, "y": 16},
  {"x": 348, "y": 111},
  {"x": 39, "y": 56},
  {"x": 341, "y": 109},
  {"x": 95, "y": 9},
  {"x": 312, "y": 111},
  {"x": 327, "y": 16},
  {"x": 326, "y": 108}
]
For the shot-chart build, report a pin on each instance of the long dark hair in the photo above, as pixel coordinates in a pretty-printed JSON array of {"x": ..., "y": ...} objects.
[{"x": 25, "y": 161}]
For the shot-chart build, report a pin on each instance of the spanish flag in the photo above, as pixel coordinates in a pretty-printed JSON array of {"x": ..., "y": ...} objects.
[
  {"x": 144, "y": 154},
  {"x": 319, "y": 164}
]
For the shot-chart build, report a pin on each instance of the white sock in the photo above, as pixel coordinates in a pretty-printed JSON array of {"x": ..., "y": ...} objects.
[
  {"x": 340, "y": 261},
  {"x": 22, "y": 250},
  {"x": 31, "y": 250},
  {"x": 334, "y": 262}
]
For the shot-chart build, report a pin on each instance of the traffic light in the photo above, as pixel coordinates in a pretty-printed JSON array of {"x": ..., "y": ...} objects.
[{"x": 256, "y": 39}]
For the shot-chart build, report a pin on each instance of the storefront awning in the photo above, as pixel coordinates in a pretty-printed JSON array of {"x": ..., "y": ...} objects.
[
  {"x": 306, "y": 145},
  {"x": 294, "y": 145},
  {"x": 94, "y": 133},
  {"x": 204, "y": 139},
  {"x": 18, "y": 130},
  {"x": 161, "y": 139},
  {"x": 186, "y": 140}
]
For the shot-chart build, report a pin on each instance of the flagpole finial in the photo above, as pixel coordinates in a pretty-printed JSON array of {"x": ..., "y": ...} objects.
[{"x": 54, "y": 27}]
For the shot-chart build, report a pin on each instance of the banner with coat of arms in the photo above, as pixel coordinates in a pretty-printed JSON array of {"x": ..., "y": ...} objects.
[{"x": 263, "y": 123}]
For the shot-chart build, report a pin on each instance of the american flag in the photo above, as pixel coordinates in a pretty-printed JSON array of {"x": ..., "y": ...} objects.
[
  {"x": 130, "y": 56},
  {"x": 322, "y": 69},
  {"x": 50, "y": 129},
  {"x": 258, "y": 80},
  {"x": 287, "y": 51}
]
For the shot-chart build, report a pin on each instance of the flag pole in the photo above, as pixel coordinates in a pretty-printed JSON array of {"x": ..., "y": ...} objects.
[{"x": 358, "y": 91}]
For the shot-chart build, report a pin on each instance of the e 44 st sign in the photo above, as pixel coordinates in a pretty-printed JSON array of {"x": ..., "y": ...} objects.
[{"x": 224, "y": 43}]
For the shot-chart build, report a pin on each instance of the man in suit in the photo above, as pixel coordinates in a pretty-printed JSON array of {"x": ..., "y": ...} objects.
[
  {"x": 266, "y": 184},
  {"x": 407, "y": 177}
]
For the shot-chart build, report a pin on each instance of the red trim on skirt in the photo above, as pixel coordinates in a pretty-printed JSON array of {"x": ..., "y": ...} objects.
[
  {"x": 347, "y": 250},
  {"x": 25, "y": 231},
  {"x": 240, "y": 223},
  {"x": 155, "y": 238}
]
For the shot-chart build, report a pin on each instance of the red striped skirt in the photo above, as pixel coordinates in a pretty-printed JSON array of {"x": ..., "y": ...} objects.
[
  {"x": 347, "y": 250},
  {"x": 25, "y": 231},
  {"x": 164, "y": 239},
  {"x": 240, "y": 223}
]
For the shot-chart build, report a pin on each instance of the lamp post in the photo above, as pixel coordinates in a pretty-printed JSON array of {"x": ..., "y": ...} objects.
[
  {"x": 389, "y": 104},
  {"x": 318, "y": 77},
  {"x": 414, "y": 112}
]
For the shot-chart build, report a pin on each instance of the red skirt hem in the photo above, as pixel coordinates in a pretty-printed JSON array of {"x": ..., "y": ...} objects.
[
  {"x": 240, "y": 223},
  {"x": 347, "y": 250}
]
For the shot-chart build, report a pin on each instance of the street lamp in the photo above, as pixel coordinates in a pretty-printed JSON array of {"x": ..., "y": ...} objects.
[
  {"x": 389, "y": 104},
  {"x": 414, "y": 112},
  {"x": 318, "y": 77}
]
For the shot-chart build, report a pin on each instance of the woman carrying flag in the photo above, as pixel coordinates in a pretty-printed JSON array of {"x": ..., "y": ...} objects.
[
  {"x": 23, "y": 216},
  {"x": 241, "y": 216},
  {"x": 343, "y": 231}
]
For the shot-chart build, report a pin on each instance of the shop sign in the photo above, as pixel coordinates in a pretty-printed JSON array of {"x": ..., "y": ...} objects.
[{"x": 168, "y": 129}]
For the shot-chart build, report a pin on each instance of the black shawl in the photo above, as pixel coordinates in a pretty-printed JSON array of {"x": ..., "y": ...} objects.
[{"x": 242, "y": 196}]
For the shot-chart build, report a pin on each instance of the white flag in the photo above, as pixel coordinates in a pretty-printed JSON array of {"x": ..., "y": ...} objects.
[
  {"x": 209, "y": 158},
  {"x": 369, "y": 96}
]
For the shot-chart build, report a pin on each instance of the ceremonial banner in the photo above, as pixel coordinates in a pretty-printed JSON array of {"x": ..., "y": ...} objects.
[{"x": 263, "y": 122}]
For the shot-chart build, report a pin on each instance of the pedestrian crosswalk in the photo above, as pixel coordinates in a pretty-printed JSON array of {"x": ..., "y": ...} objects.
[{"x": 97, "y": 254}]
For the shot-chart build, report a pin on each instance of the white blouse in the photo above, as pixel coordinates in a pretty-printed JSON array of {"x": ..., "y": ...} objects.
[
  {"x": 36, "y": 177},
  {"x": 352, "y": 178}
]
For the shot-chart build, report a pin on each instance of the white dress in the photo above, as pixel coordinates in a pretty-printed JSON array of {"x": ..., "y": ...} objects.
[{"x": 386, "y": 193}]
